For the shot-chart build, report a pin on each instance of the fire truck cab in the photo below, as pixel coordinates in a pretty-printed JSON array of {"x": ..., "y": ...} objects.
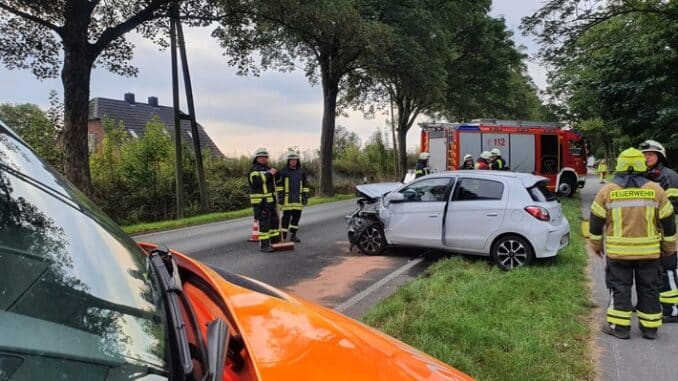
[{"x": 542, "y": 148}]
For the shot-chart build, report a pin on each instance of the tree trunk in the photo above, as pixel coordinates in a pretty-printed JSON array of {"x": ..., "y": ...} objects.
[
  {"x": 75, "y": 76},
  {"x": 330, "y": 92},
  {"x": 402, "y": 148}
]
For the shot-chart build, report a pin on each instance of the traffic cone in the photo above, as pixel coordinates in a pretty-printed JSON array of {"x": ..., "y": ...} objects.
[{"x": 255, "y": 232}]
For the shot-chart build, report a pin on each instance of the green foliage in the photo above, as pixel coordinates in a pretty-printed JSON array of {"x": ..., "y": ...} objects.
[
  {"x": 527, "y": 324},
  {"x": 35, "y": 128}
]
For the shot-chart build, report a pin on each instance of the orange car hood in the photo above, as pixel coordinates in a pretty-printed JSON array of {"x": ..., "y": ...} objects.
[{"x": 291, "y": 339}]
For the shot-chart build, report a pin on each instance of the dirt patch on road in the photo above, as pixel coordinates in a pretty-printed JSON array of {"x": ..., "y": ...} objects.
[{"x": 337, "y": 281}]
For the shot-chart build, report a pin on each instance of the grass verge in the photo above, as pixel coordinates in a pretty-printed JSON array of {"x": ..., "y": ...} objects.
[
  {"x": 527, "y": 324},
  {"x": 214, "y": 217}
]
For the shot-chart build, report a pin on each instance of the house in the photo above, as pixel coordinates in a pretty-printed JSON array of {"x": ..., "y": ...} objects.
[{"x": 134, "y": 116}]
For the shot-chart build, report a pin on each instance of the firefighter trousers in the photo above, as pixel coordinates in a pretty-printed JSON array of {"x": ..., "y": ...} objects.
[
  {"x": 668, "y": 290},
  {"x": 267, "y": 215},
  {"x": 619, "y": 278},
  {"x": 290, "y": 221}
]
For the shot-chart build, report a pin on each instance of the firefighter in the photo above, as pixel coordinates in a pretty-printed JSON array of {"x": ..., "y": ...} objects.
[
  {"x": 293, "y": 193},
  {"x": 422, "y": 168},
  {"x": 634, "y": 218},
  {"x": 262, "y": 185},
  {"x": 657, "y": 171},
  {"x": 602, "y": 170},
  {"x": 483, "y": 161},
  {"x": 497, "y": 162},
  {"x": 468, "y": 162}
]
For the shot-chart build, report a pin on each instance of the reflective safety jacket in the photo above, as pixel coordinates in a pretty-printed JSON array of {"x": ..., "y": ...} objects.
[
  {"x": 499, "y": 164},
  {"x": 668, "y": 180},
  {"x": 262, "y": 185},
  {"x": 292, "y": 187},
  {"x": 634, "y": 219},
  {"x": 602, "y": 168},
  {"x": 421, "y": 169}
]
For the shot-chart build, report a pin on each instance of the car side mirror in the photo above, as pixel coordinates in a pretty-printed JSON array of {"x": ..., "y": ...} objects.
[{"x": 394, "y": 197}]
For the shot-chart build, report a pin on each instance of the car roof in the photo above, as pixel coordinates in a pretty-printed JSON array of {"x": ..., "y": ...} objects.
[{"x": 527, "y": 179}]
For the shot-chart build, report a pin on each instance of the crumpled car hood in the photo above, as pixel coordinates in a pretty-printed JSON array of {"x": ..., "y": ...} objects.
[{"x": 376, "y": 190}]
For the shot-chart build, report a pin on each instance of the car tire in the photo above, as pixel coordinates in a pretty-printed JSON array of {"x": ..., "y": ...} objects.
[
  {"x": 567, "y": 186},
  {"x": 511, "y": 251},
  {"x": 371, "y": 240}
]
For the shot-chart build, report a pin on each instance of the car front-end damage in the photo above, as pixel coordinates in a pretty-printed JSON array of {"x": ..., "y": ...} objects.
[{"x": 365, "y": 228}]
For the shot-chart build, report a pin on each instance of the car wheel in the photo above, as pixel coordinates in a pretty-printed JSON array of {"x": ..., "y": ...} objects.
[
  {"x": 372, "y": 240},
  {"x": 511, "y": 251},
  {"x": 567, "y": 187}
]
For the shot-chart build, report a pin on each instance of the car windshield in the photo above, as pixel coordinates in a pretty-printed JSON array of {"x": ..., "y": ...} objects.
[{"x": 76, "y": 299}]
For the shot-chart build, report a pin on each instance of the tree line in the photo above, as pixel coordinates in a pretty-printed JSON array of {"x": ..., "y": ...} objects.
[{"x": 446, "y": 59}]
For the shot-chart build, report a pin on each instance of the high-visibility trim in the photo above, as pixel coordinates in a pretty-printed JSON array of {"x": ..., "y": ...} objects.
[
  {"x": 649, "y": 221},
  {"x": 287, "y": 190},
  {"x": 628, "y": 241},
  {"x": 617, "y": 222},
  {"x": 666, "y": 210},
  {"x": 672, "y": 192},
  {"x": 264, "y": 236},
  {"x": 633, "y": 194},
  {"x": 305, "y": 189},
  {"x": 419, "y": 172},
  {"x": 653, "y": 249},
  {"x": 632, "y": 203},
  {"x": 670, "y": 238},
  {"x": 622, "y": 318},
  {"x": 619, "y": 313},
  {"x": 650, "y": 320},
  {"x": 283, "y": 230},
  {"x": 279, "y": 188},
  {"x": 598, "y": 210},
  {"x": 668, "y": 297},
  {"x": 594, "y": 237},
  {"x": 294, "y": 226}
]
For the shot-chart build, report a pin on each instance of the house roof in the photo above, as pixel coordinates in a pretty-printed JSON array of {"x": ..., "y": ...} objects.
[{"x": 135, "y": 115}]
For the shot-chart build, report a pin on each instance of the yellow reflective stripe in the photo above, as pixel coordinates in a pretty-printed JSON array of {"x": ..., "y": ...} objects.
[
  {"x": 617, "y": 317},
  {"x": 631, "y": 203},
  {"x": 306, "y": 189},
  {"x": 287, "y": 190},
  {"x": 617, "y": 222},
  {"x": 594, "y": 237},
  {"x": 665, "y": 210},
  {"x": 670, "y": 238},
  {"x": 669, "y": 297},
  {"x": 263, "y": 236},
  {"x": 632, "y": 194},
  {"x": 649, "y": 218},
  {"x": 619, "y": 313},
  {"x": 632, "y": 250},
  {"x": 279, "y": 188},
  {"x": 598, "y": 210},
  {"x": 633, "y": 240},
  {"x": 672, "y": 192},
  {"x": 419, "y": 172},
  {"x": 650, "y": 320}
]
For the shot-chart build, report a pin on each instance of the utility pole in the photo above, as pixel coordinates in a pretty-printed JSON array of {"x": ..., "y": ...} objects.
[
  {"x": 204, "y": 197},
  {"x": 396, "y": 153},
  {"x": 177, "y": 119}
]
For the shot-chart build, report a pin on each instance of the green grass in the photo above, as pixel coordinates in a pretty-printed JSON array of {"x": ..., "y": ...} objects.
[
  {"x": 214, "y": 217},
  {"x": 527, "y": 324}
]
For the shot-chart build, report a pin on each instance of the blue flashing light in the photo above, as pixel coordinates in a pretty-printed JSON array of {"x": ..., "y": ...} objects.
[{"x": 468, "y": 127}]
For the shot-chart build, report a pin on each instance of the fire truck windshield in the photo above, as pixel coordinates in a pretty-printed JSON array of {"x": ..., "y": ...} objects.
[{"x": 577, "y": 148}]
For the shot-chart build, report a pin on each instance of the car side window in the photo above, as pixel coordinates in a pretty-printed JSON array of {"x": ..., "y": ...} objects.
[
  {"x": 427, "y": 190},
  {"x": 479, "y": 189}
]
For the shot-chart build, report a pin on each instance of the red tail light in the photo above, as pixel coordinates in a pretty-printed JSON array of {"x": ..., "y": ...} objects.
[{"x": 538, "y": 212}]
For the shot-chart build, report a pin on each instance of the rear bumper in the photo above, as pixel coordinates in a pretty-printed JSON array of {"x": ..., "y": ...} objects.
[{"x": 549, "y": 242}]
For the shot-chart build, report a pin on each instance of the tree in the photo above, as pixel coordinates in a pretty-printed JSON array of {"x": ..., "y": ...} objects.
[
  {"x": 329, "y": 37},
  {"x": 35, "y": 128},
  {"x": 35, "y": 34}
]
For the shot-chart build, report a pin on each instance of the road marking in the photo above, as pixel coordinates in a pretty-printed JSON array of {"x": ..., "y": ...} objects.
[{"x": 357, "y": 298}]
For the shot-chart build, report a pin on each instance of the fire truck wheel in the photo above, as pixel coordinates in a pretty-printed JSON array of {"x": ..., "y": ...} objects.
[
  {"x": 567, "y": 186},
  {"x": 511, "y": 251}
]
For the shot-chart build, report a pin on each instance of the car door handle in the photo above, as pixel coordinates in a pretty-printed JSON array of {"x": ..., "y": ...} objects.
[
  {"x": 492, "y": 214},
  {"x": 433, "y": 215}
]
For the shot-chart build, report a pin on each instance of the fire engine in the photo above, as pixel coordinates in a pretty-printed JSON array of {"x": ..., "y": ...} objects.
[{"x": 542, "y": 148}]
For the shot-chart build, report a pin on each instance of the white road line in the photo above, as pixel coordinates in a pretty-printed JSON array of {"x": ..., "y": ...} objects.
[{"x": 357, "y": 298}]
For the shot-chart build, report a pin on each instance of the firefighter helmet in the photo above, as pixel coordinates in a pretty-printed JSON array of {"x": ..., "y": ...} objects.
[
  {"x": 261, "y": 152},
  {"x": 424, "y": 156},
  {"x": 292, "y": 155},
  {"x": 468, "y": 156},
  {"x": 495, "y": 152},
  {"x": 631, "y": 160},
  {"x": 653, "y": 146},
  {"x": 486, "y": 155}
]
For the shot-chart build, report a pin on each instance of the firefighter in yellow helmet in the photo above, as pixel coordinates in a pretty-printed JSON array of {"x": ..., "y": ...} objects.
[
  {"x": 602, "y": 170},
  {"x": 422, "y": 168},
  {"x": 659, "y": 172},
  {"x": 632, "y": 224},
  {"x": 293, "y": 192},
  {"x": 262, "y": 186}
]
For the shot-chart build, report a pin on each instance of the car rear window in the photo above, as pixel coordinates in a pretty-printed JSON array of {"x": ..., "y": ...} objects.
[{"x": 540, "y": 193}]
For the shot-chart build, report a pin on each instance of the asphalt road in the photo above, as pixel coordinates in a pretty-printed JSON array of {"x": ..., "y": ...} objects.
[
  {"x": 635, "y": 359},
  {"x": 321, "y": 268}
]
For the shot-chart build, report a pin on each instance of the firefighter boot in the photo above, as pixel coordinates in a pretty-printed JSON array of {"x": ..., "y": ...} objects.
[
  {"x": 648, "y": 333},
  {"x": 294, "y": 238},
  {"x": 617, "y": 331},
  {"x": 265, "y": 246},
  {"x": 670, "y": 319}
]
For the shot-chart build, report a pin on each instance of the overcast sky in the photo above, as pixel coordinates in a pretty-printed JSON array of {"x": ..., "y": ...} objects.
[{"x": 276, "y": 110}]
